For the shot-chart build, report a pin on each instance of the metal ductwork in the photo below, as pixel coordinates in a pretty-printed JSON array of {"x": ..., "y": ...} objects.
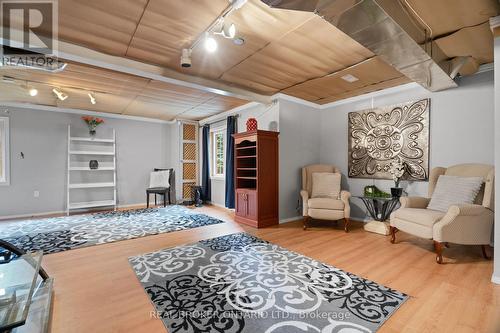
[{"x": 383, "y": 27}]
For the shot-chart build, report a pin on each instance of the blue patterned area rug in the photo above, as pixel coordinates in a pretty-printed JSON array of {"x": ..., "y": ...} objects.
[
  {"x": 58, "y": 234},
  {"x": 240, "y": 283}
]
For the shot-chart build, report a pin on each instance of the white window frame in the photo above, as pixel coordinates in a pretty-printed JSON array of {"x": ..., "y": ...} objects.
[
  {"x": 213, "y": 164},
  {"x": 4, "y": 151}
]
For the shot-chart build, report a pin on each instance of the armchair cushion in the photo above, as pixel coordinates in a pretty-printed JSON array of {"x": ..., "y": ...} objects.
[
  {"x": 325, "y": 203},
  {"x": 424, "y": 217},
  {"x": 414, "y": 202},
  {"x": 453, "y": 190},
  {"x": 325, "y": 185}
]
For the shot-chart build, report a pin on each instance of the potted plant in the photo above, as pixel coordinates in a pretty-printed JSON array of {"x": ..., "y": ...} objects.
[
  {"x": 92, "y": 123},
  {"x": 397, "y": 170}
]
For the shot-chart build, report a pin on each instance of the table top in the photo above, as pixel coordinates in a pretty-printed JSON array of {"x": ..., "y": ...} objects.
[
  {"x": 17, "y": 284},
  {"x": 375, "y": 198}
]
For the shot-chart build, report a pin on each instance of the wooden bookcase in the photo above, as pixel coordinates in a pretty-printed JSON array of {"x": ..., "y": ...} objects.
[{"x": 256, "y": 172}]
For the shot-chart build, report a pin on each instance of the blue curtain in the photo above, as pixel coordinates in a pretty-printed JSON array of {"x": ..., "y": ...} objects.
[
  {"x": 205, "y": 168},
  {"x": 231, "y": 129}
]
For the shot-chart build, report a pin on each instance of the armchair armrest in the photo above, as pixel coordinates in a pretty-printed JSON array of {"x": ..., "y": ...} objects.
[
  {"x": 465, "y": 224},
  {"x": 305, "y": 197},
  {"x": 344, "y": 196},
  {"x": 414, "y": 202}
]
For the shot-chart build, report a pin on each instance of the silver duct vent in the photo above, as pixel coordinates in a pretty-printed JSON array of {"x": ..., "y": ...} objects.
[{"x": 370, "y": 25}]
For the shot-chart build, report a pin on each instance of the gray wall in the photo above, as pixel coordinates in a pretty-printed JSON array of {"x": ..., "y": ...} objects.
[
  {"x": 299, "y": 142},
  {"x": 461, "y": 131},
  {"x": 42, "y": 137},
  {"x": 299, "y": 146},
  {"x": 496, "y": 273}
]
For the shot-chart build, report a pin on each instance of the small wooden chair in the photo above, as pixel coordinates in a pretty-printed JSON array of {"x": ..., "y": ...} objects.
[{"x": 165, "y": 192}]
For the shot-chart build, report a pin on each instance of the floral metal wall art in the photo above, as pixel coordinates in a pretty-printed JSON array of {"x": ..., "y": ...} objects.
[{"x": 398, "y": 133}]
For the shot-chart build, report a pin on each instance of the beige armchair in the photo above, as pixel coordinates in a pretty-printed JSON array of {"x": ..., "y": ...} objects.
[
  {"x": 462, "y": 224},
  {"x": 323, "y": 208}
]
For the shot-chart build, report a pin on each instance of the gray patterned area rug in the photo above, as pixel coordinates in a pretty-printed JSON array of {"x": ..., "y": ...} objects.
[
  {"x": 240, "y": 283},
  {"x": 58, "y": 234}
]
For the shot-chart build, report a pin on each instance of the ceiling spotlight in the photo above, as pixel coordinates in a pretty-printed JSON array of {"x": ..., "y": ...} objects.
[
  {"x": 226, "y": 31},
  {"x": 33, "y": 92},
  {"x": 92, "y": 98},
  {"x": 62, "y": 96},
  {"x": 210, "y": 44},
  {"x": 186, "y": 58}
]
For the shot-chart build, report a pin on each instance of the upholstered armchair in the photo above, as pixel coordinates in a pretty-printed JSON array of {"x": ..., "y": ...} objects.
[
  {"x": 463, "y": 224},
  {"x": 323, "y": 208}
]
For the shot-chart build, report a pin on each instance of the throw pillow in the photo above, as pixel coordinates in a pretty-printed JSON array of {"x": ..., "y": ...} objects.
[
  {"x": 325, "y": 185},
  {"x": 453, "y": 190},
  {"x": 159, "y": 179}
]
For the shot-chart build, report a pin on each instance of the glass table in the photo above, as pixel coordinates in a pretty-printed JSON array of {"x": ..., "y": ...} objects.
[
  {"x": 380, "y": 209},
  {"x": 25, "y": 293}
]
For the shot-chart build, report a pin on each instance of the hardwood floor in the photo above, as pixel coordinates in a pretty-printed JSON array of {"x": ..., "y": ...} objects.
[{"x": 97, "y": 291}]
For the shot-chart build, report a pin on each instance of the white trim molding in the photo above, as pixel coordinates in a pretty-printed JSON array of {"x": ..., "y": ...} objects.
[
  {"x": 223, "y": 115},
  {"x": 374, "y": 94},
  {"x": 296, "y": 100},
  {"x": 495, "y": 279},
  {"x": 5, "y": 146}
]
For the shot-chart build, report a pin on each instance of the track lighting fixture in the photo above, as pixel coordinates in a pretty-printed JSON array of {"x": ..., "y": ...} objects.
[
  {"x": 59, "y": 94},
  {"x": 217, "y": 27},
  {"x": 186, "y": 58},
  {"x": 33, "y": 92},
  {"x": 92, "y": 98}
]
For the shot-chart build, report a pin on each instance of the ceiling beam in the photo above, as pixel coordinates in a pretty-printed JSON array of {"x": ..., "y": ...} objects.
[{"x": 72, "y": 52}]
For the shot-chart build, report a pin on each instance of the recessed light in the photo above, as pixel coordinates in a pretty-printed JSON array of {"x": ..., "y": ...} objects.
[
  {"x": 349, "y": 78},
  {"x": 239, "y": 41}
]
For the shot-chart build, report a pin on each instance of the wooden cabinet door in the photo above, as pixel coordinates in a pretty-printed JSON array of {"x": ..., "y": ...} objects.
[
  {"x": 252, "y": 205},
  {"x": 241, "y": 204}
]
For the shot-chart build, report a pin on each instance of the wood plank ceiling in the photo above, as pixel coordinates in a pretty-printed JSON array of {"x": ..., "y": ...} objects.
[
  {"x": 293, "y": 52},
  {"x": 115, "y": 93}
]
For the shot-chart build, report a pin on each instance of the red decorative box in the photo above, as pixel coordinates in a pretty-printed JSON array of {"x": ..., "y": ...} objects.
[{"x": 251, "y": 124}]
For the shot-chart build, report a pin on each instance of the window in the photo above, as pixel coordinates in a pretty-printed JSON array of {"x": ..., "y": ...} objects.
[
  {"x": 4, "y": 151},
  {"x": 218, "y": 154}
]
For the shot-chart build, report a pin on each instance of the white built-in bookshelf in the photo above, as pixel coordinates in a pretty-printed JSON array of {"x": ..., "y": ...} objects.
[{"x": 86, "y": 187}]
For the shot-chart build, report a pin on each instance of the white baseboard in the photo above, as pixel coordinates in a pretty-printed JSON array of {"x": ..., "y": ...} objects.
[
  {"x": 495, "y": 279},
  {"x": 217, "y": 205},
  {"x": 12, "y": 217},
  {"x": 21, "y": 216},
  {"x": 291, "y": 219}
]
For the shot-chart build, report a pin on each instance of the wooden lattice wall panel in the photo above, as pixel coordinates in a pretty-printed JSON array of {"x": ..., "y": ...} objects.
[
  {"x": 189, "y": 151},
  {"x": 189, "y": 132},
  {"x": 189, "y": 159},
  {"x": 189, "y": 171},
  {"x": 186, "y": 190}
]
